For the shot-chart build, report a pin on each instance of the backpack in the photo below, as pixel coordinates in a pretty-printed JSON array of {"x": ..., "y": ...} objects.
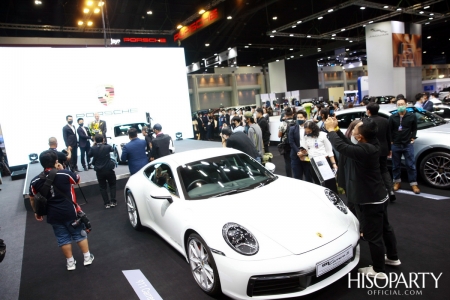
[
  {"x": 40, "y": 200},
  {"x": 284, "y": 146}
]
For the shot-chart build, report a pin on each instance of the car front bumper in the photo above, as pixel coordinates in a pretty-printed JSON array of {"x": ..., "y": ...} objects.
[{"x": 285, "y": 277}]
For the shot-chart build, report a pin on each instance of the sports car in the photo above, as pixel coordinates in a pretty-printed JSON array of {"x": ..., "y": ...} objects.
[{"x": 243, "y": 230}]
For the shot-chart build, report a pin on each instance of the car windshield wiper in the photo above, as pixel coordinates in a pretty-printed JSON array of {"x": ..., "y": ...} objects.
[{"x": 235, "y": 191}]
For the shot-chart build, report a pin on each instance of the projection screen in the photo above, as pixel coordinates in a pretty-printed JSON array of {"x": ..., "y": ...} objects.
[{"x": 40, "y": 86}]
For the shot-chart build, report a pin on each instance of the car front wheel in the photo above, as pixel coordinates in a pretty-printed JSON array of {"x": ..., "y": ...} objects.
[
  {"x": 133, "y": 214},
  {"x": 435, "y": 169},
  {"x": 203, "y": 266}
]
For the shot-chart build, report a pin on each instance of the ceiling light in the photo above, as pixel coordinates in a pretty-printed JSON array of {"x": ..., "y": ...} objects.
[
  {"x": 427, "y": 23},
  {"x": 345, "y": 58},
  {"x": 385, "y": 6},
  {"x": 351, "y": 41},
  {"x": 424, "y": 52},
  {"x": 278, "y": 60},
  {"x": 229, "y": 48},
  {"x": 318, "y": 50},
  {"x": 429, "y": 37},
  {"x": 274, "y": 31},
  {"x": 89, "y": 23},
  {"x": 328, "y": 57},
  {"x": 370, "y": 22},
  {"x": 148, "y": 13},
  {"x": 332, "y": 38},
  {"x": 271, "y": 36},
  {"x": 334, "y": 34},
  {"x": 86, "y": 10},
  {"x": 249, "y": 44},
  {"x": 101, "y": 3},
  {"x": 274, "y": 18},
  {"x": 346, "y": 39},
  {"x": 431, "y": 14},
  {"x": 343, "y": 29},
  {"x": 362, "y": 7},
  {"x": 248, "y": 65},
  {"x": 271, "y": 48},
  {"x": 291, "y": 34},
  {"x": 179, "y": 26},
  {"x": 298, "y": 22},
  {"x": 229, "y": 17},
  {"x": 246, "y": 46},
  {"x": 347, "y": 49},
  {"x": 201, "y": 12},
  {"x": 291, "y": 49},
  {"x": 426, "y": 7},
  {"x": 330, "y": 10},
  {"x": 320, "y": 18},
  {"x": 37, "y": 2},
  {"x": 215, "y": 53},
  {"x": 206, "y": 45},
  {"x": 294, "y": 26},
  {"x": 308, "y": 36},
  {"x": 420, "y": 12},
  {"x": 215, "y": 66},
  {"x": 364, "y": 25},
  {"x": 443, "y": 52},
  {"x": 293, "y": 55},
  {"x": 89, "y": 3},
  {"x": 399, "y": 9},
  {"x": 288, "y": 58},
  {"x": 430, "y": 18},
  {"x": 80, "y": 23},
  {"x": 301, "y": 54}
]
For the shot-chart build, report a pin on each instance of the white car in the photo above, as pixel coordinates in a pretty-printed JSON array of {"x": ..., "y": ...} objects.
[
  {"x": 243, "y": 230},
  {"x": 120, "y": 139}
]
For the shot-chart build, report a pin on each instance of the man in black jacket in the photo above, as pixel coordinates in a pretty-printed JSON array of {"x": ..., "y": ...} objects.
[
  {"x": 70, "y": 139},
  {"x": 366, "y": 190},
  {"x": 160, "y": 144},
  {"x": 239, "y": 141},
  {"x": 403, "y": 132},
  {"x": 262, "y": 122},
  {"x": 84, "y": 141},
  {"x": 384, "y": 139},
  {"x": 104, "y": 167}
]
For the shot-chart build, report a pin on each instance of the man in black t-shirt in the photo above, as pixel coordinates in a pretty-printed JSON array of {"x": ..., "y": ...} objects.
[
  {"x": 239, "y": 141},
  {"x": 62, "y": 208}
]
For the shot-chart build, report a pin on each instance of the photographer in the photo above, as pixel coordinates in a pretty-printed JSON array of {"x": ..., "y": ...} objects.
[
  {"x": 104, "y": 168},
  {"x": 62, "y": 209},
  {"x": 63, "y": 156}
]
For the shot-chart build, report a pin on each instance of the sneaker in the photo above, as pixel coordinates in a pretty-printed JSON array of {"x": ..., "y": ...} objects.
[
  {"x": 396, "y": 186},
  {"x": 392, "y": 262},
  {"x": 415, "y": 189},
  {"x": 369, "y": 271},
  {"x": 89, "y": 261},
  {"x": 113, "y": 204},
  {"x": 84, "y": 168},
  {"x": 71, "y": 266},
  {"x": 107, "y": 205}
]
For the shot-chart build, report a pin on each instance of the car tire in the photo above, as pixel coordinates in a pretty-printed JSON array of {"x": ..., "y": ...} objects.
[
  {"x": 202, "y": 264},
  {"x": 433, "y": 169},
  {"x": 133, "y": 213}
]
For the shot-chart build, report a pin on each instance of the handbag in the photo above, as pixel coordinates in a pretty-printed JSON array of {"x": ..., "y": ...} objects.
[{"x": 40, "y": 201}]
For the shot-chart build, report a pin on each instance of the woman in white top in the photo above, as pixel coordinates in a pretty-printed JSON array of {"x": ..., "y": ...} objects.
[{"x": 316, "y": 143}]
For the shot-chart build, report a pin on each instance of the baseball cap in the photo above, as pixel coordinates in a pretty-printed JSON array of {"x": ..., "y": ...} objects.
[
  {"x": 157, "y": 126},
  {"x": 248, "y": 114}
]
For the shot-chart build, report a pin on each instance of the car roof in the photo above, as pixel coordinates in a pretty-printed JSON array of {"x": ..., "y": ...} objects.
[{"x": 185, "y": 157}]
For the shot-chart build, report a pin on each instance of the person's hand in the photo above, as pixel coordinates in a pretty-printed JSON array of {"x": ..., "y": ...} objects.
[
  {"x": 38, "y": 218},
  {"x": 412, "y": 141},
  {"x": 330, "y": 124}
]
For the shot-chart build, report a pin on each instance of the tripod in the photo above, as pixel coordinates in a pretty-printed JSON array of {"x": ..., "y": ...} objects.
[{"x": 85, "y": 200}]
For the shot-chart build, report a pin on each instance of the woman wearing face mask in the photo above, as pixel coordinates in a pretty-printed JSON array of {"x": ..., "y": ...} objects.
[
  {"x": 315, "y": 113},
  {"x": 316, "y": 143}
]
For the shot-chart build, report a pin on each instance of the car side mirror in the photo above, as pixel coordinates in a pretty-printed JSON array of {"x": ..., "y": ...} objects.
[
  {"x": 270, "y": 166},
  {"x": 162, "y": 194}
]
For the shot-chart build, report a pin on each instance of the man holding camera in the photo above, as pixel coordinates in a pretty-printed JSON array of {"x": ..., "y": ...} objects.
[
  {"x": 63, "y": 156},
  {"x": 63, "y": 212}
]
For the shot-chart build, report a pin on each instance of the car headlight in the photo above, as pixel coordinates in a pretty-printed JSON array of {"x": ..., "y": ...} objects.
[
  {"x": 240, "y": 239},
  {"x": 336, "y": 200}
]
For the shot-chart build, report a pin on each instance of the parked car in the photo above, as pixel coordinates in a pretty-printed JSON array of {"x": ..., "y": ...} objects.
[
  {"x": 120, "y": 138},
  {"x": 238, "y": 226},
  {"x": 432, "y": 148}
]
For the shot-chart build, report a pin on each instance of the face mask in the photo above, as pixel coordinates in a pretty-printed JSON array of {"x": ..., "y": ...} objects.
[
  {"x": 401, "y": 109},
  {"x": 70, "y": 122},
  {"x": 354, "y": 140},
  {"x": 300, "y": 122},
  {"x": 319, "y": 118},
  {"x": 81, "y": 124}
]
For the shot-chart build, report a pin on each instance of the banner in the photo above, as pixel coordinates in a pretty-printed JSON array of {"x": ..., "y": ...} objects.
[{"x": 407, "y": 49}]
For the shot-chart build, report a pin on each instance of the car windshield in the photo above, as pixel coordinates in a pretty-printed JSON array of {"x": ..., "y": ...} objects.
[
  {"x": 425, "y": 119},
  {"x": 222, "y": 175},
  {"x": 122, "y": 130}
]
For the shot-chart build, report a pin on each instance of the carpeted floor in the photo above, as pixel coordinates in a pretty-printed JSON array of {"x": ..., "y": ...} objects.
[{"x": 421, "y": 226}]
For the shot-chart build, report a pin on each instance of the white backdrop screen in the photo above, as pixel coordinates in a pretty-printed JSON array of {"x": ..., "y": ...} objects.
[{"x": 40, "y": 86}]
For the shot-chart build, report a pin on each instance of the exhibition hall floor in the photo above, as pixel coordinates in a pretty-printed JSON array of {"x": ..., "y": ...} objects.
[{"x": 34, "y": 267}]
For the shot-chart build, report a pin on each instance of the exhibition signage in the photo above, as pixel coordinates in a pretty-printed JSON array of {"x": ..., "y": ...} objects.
[
  {"x": 144, "y": 40},
  {"x": 205, "y": 20}
]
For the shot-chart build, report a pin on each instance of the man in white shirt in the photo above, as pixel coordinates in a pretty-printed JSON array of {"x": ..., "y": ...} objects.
[{"x": 300, "y": 168}]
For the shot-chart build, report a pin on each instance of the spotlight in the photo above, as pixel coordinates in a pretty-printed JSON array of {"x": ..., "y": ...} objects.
[
  {"x": 201, "y": 12},
  {"x": 179, "y": 26},
  {"x": 179, "y": 136},
  {"x": 33, "y": 158}
]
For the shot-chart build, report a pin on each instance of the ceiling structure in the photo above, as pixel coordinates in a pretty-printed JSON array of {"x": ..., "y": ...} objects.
[{"x": 261, "y": 30}]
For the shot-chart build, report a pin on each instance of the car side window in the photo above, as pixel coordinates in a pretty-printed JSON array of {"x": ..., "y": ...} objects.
[
  {"x": 344, "y": 120},
  {"x": 162, "y": 176},
  {"x": 149, "y": 172}
]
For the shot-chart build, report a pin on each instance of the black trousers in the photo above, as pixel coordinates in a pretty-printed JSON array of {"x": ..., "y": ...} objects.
[
  {"x": 110, "y": 177},
  {"x": 378, "y": 232},
  {"x": 84, "y": 156},
  {"x": 74, "y": 159},
  {"x": 387, "y": 180},
  {"x": 287, "y": 163}
]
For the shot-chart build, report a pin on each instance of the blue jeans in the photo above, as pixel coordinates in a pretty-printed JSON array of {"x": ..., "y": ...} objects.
[
  {"x": 65, "y": 233},
  {"x": 408, "y": 152}
]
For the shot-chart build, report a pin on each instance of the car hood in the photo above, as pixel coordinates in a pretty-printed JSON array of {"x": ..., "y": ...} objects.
[
  {"x": 124, "y": 139},
  {"x": 299, "y": 219},
  {"x": 441, "y": 129}
]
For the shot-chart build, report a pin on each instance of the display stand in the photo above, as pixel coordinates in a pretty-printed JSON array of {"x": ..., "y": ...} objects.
[{"x": 324, "y": 173}]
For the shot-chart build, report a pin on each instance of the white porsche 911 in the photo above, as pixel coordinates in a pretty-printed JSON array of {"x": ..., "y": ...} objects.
[{"x": 243, "y": 230}]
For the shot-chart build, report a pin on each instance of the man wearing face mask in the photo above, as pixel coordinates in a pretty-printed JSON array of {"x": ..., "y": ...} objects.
[
  {"x": 300, "y": 168},
  {"x": 70, "y": 139},
  {"x": 403, "y": 132},
  {"x": 84, "y": 137}
]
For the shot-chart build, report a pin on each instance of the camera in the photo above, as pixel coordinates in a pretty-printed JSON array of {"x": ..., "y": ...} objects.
[{"x": 82, "y": 218}]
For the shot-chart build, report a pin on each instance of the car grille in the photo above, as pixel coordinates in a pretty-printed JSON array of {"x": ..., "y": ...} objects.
[{"x": 276, "y": 284}]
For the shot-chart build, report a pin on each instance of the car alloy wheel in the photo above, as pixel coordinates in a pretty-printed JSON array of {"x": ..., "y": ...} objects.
[
  {"x": 133, "y": 214},
  {"x": 202, "y": 264},
  {"x": 435, "y": 169}
]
